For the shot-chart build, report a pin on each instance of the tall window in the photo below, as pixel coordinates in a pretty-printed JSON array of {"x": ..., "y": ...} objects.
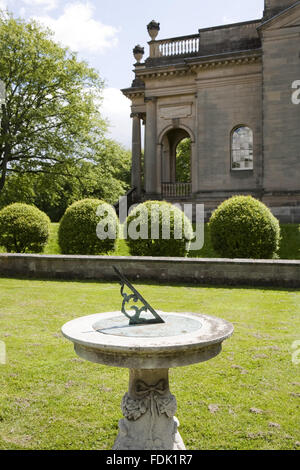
[{"x": 242, "y": 149}]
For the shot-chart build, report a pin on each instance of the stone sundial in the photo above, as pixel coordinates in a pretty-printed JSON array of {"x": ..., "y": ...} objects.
[{"x": 148, "y": 343}]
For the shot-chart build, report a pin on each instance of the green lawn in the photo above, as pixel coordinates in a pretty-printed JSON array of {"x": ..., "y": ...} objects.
[
  {"x": 289, "y": 247},
  {"x": 50, "y": 399},
  {"x": 52, "y": 247}
]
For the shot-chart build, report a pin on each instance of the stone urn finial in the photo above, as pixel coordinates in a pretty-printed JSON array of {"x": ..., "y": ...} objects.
[
  {"x": 138, "y": 53},
  {"x": 153, "y": 29}
]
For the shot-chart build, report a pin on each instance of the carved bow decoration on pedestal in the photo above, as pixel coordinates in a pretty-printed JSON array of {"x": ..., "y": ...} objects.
[
  {"x": 154, "y": 393},
  {"x": 152, "y": 398},
  {"x": 136, "y": 297},
  {"x": 142, "y": 389}
]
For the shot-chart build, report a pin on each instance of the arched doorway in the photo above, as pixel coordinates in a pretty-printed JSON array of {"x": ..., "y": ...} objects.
[{"x": 176, "y": 164}]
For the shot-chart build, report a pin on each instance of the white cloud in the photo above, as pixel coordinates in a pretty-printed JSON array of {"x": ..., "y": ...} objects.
[
  {"x": 77, "y": 29},
  {"x": 116, "y": 108},
  {"x": 46, "y": 4},
  {"x": 3, "y": 4}
]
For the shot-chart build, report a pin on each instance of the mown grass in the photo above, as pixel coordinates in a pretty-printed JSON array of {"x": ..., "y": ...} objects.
[
  {"x": 52, "y": 247},
  {"x": 50, "y": 399},
  {"x": 289, "y": 246}
]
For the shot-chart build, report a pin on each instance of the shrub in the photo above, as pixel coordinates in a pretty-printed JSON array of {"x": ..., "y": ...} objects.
[
  {"x": 23, "y": 228},
  {"x": 243, "y": 227},
  {"x": 80, "y": 227},
  {"x": 173, "y": 230}
]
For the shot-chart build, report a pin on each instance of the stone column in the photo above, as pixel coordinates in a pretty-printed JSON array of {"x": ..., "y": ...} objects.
[
  {"x": 149, "y": 408},
  {"x": 150, "y": 164},
  {"x": 136, "y": 154}
]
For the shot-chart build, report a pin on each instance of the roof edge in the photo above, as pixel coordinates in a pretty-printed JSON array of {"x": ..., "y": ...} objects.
[{"x": 230, "y": 25}]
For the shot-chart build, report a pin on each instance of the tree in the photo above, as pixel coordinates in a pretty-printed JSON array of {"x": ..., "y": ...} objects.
[
  {"x": 50, "y": 119},
  {"x": 107, "y": 177},
  {"x": 183, "y": 161}
]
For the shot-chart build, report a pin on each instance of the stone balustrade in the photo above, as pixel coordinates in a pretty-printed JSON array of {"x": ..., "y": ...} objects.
[
  {"x": 181, "y": 190},
  {"x": 173, "y": 47}
]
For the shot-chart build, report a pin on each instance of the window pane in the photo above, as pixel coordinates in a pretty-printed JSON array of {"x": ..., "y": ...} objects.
[{"x": 242, "y": 148}]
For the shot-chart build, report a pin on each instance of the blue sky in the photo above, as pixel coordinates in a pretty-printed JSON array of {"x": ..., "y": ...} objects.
[{"x": 104, "y": 32}]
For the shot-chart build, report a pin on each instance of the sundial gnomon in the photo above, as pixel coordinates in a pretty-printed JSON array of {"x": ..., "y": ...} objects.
[
  {"x": 144, "y": 321},
  {"x": 135, "y": 297}
]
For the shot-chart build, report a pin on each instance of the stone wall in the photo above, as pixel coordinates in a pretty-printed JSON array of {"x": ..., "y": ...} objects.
[
  {"x": 273, "y": 7},
  {"x": 227, "y": 98},
  {"x": 226, "y": 38},
  {"x": 168, "y": 270},
  {"x": 281, "y": 67}
]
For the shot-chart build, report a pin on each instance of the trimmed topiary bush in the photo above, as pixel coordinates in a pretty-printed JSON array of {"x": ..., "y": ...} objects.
[
  {"x": 23, "y": 228},
  {"x": 88, "y": 227},
  {"x": 243, "y": 227},
  {"x": 158, "y": 228}
]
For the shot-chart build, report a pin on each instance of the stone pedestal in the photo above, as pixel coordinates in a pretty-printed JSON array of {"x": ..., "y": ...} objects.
[
  {"x": 149, "y": 408},
  {"x": 148, "y": 351}
]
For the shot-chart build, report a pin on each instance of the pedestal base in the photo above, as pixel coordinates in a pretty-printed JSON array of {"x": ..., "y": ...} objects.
[{"x": 149, "y": 408}]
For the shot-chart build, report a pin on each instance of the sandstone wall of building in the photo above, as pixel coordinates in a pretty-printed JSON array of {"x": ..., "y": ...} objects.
[
  {"x": 239, "y": 36},
  {"x": 227, "y": 99},
  {"x": 273, "y": 7},
  {"x": 281, "y": 123}
]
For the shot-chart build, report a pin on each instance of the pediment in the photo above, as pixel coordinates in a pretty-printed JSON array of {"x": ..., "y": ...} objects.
[{"x": 288, "y": 18}]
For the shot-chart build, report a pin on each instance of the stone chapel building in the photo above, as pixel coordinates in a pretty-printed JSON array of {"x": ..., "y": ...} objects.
[{"x": 231, "y": 90}]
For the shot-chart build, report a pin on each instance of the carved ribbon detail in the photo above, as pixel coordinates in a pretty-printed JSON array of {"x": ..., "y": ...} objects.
[
  {"x": 150, "y": 398},
  {"x": 142, "y": 389}
]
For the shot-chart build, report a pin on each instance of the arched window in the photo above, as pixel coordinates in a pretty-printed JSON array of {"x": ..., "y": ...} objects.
[{"x": 242, "y": 148}]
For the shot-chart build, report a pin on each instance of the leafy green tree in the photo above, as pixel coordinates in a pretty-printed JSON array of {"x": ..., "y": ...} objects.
[
  {"x": 183, "y": 161},
  {"x": 106, "y": 177},
  {"x": 50, "y": 120}
]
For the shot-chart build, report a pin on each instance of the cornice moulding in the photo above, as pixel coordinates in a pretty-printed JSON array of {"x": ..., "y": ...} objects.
[{"x": 194, "y": 67}]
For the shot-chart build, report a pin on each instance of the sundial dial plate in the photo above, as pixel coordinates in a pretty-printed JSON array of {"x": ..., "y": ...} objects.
[
  {"x": 173, "y": 325},
  {"x": 182, "y": 339}
]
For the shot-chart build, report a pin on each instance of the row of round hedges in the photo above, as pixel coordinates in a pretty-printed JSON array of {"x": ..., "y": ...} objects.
[
  {"x": 91, "y": 227},
  {"x": 241, "y": 227}
]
